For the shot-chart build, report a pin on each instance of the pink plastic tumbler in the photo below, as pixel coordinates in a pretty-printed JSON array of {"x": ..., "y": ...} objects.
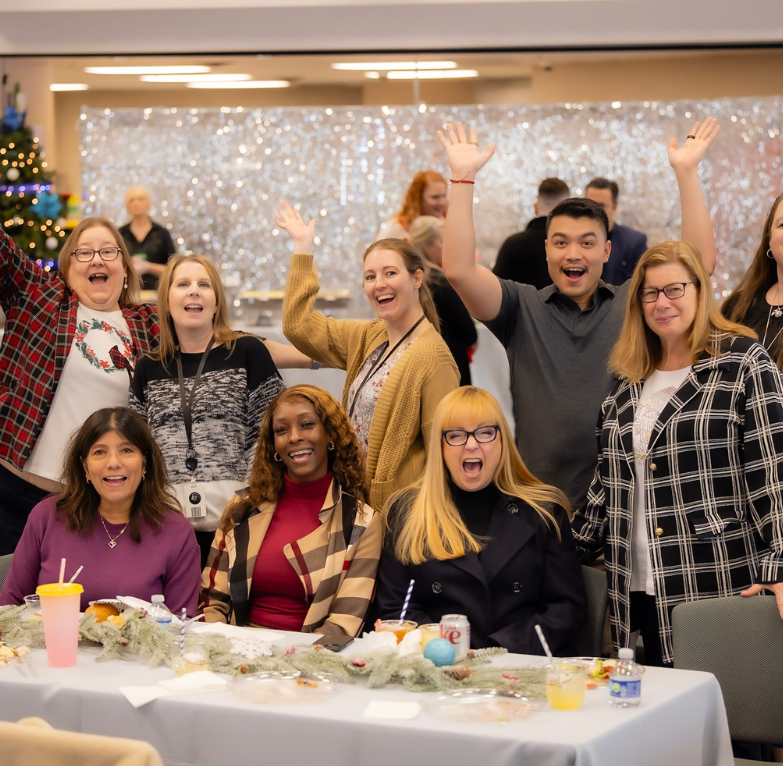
[{"x": 60, "y": 613}]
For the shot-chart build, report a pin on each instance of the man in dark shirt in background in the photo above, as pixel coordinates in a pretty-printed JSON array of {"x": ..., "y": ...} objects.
[
  {"x": 522, "y": 258},
  {"x": 628, "y": 245}
]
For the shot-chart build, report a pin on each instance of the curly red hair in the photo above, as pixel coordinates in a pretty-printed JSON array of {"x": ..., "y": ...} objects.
[
  {"x": 411, "y": 204},
  {"x": 346, "y": 461}
]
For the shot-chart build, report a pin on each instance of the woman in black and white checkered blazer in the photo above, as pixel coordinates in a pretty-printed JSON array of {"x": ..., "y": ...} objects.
[{"x": 687, "y": 498}]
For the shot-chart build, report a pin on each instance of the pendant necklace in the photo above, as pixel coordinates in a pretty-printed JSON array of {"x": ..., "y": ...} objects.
[
  {"x": 774, "y": 311},
  {"x": 113, "y": 540}
]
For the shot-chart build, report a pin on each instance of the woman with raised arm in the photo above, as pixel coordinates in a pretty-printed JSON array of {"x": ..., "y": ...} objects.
[
  {"x": 298, "y": 549},
  {"x": 686, "y": 501},
  {"x": 71, "y": 340},
  {"x": 398, "y": 367},
  {"x": 428, "y": 194},
  {"x": 757, "y": 302},
  {"x": 203, "y": 392}
]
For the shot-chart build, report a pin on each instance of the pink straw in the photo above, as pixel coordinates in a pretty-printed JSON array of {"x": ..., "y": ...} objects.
[{"x": 62, "y": 571}]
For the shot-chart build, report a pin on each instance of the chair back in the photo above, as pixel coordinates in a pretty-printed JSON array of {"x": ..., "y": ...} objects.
[
  {"x": 589, "y": 640},
  {"x": 5, "y": 567},
  {"x": 740, "y": 641}
]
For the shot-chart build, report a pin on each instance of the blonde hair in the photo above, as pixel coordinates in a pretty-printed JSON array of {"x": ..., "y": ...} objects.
[
  {"x": 168, "y": 341},
  {"x": 430, "y": 526},
  {"x": 129, "y": 295},
  {"x": 638, "y": 351}
]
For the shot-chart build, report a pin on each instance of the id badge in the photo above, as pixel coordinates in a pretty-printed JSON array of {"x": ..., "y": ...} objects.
[{"x": 195, "y": 505}]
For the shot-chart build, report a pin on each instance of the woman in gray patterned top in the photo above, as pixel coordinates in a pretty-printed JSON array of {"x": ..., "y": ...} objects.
[
  {"x": 203, "y": 393},
  {"x": 687, "y": 498}
]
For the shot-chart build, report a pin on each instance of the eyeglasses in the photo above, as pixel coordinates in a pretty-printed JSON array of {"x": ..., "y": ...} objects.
[
  {"x": 456, "y": 437},
  {"x": 85, "y": 254},
  {"x": 672, "y": 292}
]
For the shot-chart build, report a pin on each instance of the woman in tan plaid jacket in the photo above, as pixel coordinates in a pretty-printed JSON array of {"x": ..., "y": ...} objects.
[{"x": 299, "y": 548}]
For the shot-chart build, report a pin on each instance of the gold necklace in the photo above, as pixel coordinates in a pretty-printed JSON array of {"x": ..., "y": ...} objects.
[{"x": 113, "y": 540}]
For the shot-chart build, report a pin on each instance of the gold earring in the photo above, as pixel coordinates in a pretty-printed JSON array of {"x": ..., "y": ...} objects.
[
  {"x": 125, "y": 286},
  {"x": 330, "y": 447},
  {"x": 277, "y": 458}
]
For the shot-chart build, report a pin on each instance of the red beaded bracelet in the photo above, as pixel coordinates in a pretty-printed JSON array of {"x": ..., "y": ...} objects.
[{"x": 456, "y": 181}]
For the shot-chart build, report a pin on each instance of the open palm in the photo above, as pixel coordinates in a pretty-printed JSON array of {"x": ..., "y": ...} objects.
[
  {"x": 465, "y": 157},
  {"x": 689, "y": 155}
]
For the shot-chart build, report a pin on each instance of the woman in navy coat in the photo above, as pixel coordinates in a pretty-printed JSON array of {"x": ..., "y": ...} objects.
[{"x": 482, "y": 537}]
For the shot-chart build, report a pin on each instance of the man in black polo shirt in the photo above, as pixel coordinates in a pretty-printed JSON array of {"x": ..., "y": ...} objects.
[
  {"x": 522, "y": 257},
  {"x": 558, "y": 339}
]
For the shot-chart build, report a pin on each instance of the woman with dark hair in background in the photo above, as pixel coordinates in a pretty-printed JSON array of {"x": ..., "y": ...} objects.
[
  {"x": 116, "y": 516},
  {"x": 398, "y": 368},
  {"x": 456, "y": 324}
]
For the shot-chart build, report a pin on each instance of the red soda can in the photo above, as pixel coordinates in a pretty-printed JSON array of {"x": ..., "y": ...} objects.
[{"x": 455, "y": 628}]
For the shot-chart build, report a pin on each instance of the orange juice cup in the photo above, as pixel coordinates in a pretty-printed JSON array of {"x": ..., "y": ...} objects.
[
  {"x": 400, "y": 629},
  {"x": 60, "y": 613},
  {"x": 428, "y": 632},
  {"x": 566, "y": 684}
]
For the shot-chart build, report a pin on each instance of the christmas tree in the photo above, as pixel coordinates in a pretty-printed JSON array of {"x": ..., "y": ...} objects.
[{"x": 29, "y": 211}]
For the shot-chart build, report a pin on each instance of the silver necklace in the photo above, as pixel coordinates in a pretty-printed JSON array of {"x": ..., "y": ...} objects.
[
  {"x": 113, "y": 540},
  {"x": 774, "y": 311}
]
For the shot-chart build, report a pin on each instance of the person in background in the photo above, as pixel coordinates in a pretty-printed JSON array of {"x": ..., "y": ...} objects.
[
  {"x": 116, "y": 516},
  {"x": 456, "y": 324},
  {"x": 71, "y": 340},
  {"x": 757, "y": 302},
  {"x": 628, "y": 245},
  {"x": 522, "y": 257},
  {"x": 686, "y": 502},
  {"x": 428, "y": 194},
  {"x": 398, "y": 367},
  {"x": 481, "y": 536},
  {"x": 203, "y": 392},
  {"x": 298, "y": 549},
  {"x": 149, "y": 243}
]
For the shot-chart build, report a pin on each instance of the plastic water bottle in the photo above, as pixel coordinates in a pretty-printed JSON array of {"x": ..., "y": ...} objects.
[
  {"x": 625, "y": 681},
  {"x": 159, "y": 612}
]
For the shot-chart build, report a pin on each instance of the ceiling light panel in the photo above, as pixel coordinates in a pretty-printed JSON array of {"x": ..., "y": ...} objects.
[
  {"x": 195, "y": 77},
  {"x": 63, "y": 86},
  {"x": 139, "y": 70},
  {"x": 389, "y": 66},
  {"x": 446, "y": 74},
  {"x": 245, "y": 84}
]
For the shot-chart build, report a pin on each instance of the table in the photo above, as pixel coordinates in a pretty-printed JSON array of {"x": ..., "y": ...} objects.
[{"x": 681, "y": 722}]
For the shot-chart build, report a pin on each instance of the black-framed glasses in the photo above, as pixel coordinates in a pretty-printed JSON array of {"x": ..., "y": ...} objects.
[
  {"x": 672, "y": 292},
  {"x": 86, "y": 254},
  {"x": 456, "y": 437}
]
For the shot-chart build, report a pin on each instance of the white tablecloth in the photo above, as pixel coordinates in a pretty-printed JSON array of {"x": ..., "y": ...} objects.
[{"x": 681, "y": 722}]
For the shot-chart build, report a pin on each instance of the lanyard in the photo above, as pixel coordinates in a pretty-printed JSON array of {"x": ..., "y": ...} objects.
[
  {"x": 380, "y": 362},
  {"x": 187, "y": 402}
]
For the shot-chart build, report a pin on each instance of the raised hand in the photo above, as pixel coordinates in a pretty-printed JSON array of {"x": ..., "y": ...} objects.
[
  {"x": 465, "y": 157},
  {"x": 688, "y": 156},
  {"x": 301, "y": 233}
]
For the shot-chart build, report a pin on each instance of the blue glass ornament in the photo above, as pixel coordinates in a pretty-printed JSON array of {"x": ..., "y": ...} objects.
[
  {"x": 13, "y": 119},
  {"x": 47, "y": 205},
  {"x": 440, "y": 652}
]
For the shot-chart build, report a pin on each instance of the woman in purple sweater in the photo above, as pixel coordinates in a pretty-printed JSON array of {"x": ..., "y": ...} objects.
[{"x": 116, "y": 516}]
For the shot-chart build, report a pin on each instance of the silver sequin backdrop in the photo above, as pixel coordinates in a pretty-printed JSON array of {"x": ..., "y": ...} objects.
[{"x": 216, "y": 174}]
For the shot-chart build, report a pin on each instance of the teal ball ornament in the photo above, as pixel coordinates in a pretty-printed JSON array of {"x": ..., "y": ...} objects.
[{"x": 440, "y": 652}]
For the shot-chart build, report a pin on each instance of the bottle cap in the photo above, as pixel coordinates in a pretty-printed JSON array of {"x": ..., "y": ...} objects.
[
  {"x": 157, "y": 599},
  {"x": 623, "y": 654}
]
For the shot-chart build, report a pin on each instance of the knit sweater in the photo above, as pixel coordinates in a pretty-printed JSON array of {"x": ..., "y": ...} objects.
[{"x": 402, "y": 421}]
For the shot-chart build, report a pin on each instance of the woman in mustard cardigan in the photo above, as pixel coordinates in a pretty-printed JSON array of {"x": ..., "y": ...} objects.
[{"x": 398, "y": 368}]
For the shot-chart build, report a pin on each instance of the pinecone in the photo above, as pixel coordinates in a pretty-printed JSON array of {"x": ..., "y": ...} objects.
[
  {"x": 122, "y": 641},
  {"x": 458, "y": 672},
  {"x": 243, "y": 668}
]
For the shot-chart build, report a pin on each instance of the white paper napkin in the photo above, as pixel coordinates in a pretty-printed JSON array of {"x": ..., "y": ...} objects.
[
  {"x": 200, "y": 681},
  {"x": 143, "y": 695},
  {"x": 393, "y": 711}
]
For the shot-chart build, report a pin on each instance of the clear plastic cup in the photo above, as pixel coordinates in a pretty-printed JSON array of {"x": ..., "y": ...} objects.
[
  {"x": 60, "y": 612},
  {"x": 190, "y": 657},
  {"x": 399, "y": 628},
  {"x": 566, "y": 684},
  {"x": 428, "y": 632}
]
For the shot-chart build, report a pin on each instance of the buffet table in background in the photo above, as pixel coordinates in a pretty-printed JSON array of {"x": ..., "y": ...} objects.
[{"x": 681, "y": 722}]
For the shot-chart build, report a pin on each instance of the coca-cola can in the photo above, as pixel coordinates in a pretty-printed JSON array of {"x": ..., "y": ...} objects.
[{"x": 455, "y": 628}]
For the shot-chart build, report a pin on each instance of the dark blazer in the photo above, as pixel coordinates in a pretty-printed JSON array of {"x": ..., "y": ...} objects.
[
  {"x": 522, "y": 257},
  {"x": 456, "y": 324},
  {"x": 524, "y": 576},
  {"x": 713, "y": 486},
  {"x": 628, "y": 246}
]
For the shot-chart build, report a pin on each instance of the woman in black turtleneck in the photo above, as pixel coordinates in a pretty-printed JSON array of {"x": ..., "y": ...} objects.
[{"x": 482, "y": 537}]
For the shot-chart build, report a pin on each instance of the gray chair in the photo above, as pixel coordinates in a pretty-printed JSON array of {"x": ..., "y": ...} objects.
[
  {"x": 589, "y": 640},
  {"x": 740, "y": 641},
  {"x": 5, "y": 567}
]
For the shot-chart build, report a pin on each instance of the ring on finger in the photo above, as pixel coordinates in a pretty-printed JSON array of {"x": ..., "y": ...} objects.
[{"x": 475, "y": 143}]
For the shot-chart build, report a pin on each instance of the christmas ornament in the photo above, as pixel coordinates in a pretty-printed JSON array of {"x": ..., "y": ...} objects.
[
  {"x": 47, "y": 205},
  {"x": 12, "y": 174},
  {"x": 12, "y": 119},
  {"x": 440, "y": 652},
  {"x": 51, "y": 243}
]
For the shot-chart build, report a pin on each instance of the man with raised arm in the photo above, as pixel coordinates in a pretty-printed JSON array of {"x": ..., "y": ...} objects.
[{"x": 558, "y": 339}]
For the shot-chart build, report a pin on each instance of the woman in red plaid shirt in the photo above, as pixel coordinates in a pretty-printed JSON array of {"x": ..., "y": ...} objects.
[{"x": 70, "y": 343}]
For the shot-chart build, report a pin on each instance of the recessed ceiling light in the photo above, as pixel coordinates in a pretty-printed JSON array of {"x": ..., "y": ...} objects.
[
  {"x": 147, "y": 69},
  {"x": 195, "y": 77},
  {"x": 373, "y": 75},
  {"x": 388, "y": 66},
  {"x": 245, "y": 84},
  {"x": 58, "y": 86},
  {"x": 430, "y": 75}
]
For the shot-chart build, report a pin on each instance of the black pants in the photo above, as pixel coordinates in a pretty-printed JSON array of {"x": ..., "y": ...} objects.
[
  {"x": 644, "y": 618},
  {"x": 204, "y": 540},
  {"x": 17, "y": 498}
]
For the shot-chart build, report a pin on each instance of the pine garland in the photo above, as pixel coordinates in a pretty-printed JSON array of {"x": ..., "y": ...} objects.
[{"x": 138, "y": 637}]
